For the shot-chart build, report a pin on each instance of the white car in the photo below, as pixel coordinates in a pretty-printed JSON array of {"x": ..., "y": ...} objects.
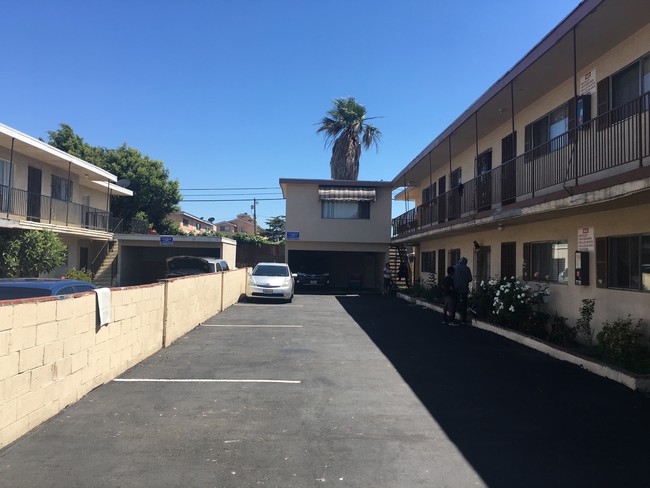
[{"x": 271, "y": 281}]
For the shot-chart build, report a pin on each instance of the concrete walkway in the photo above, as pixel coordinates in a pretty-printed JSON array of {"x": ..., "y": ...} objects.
[{"x": 349, "y": 391}]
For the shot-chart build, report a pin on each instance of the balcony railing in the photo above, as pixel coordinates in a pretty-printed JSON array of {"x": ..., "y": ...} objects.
[
  {"x": 613, "y": 143},
  {"x": 15, "y": 203}
]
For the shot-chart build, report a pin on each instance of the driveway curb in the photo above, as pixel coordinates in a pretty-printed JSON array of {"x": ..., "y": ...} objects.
[{"x": 639, "y": 383}]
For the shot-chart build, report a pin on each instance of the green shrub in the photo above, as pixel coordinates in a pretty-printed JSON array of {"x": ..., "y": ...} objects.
[
  {"x": 559, "y": 332},
  {"x": 583, "y": 324},
  {"x": 621, "y": 339},
  {"x": 79, "y": 274}
]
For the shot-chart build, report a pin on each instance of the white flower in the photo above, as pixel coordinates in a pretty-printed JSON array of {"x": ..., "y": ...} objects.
[{"x": 512, "y": 308}]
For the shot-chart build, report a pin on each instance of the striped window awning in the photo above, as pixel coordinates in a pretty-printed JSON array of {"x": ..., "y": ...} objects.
[{"x": 347, "y": 193}]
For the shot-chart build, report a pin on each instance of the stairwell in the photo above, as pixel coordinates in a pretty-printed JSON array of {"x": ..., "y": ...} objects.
[
  {"x": 104, "y": 275},
  {"x": 398, "y": 257}
]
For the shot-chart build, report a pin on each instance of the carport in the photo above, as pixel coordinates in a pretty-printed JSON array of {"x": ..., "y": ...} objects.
[
  {"x": 347, "y": 269},
  {"x": 142, "y": 258}
]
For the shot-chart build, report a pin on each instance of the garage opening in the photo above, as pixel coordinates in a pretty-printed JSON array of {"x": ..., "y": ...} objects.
[{"x": 336, "y": 270}]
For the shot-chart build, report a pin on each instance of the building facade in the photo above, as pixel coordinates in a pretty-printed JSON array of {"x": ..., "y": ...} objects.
[
  {"x": 43, "y": 188},
  {"x": 547, "y": 176},
  {"x": 192, "y": 224},
  {"x": 340, "y": 226}
]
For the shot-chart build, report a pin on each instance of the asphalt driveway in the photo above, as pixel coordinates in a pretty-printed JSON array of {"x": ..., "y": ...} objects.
[{"x": 350, "y": 391}]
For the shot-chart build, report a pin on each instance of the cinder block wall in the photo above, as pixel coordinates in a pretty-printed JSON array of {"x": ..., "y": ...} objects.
[{"x": 52, "y": 351}]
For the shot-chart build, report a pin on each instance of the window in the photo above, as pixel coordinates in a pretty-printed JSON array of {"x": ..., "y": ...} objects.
[
  {"x": 428, "y": 262},
  {"x": 545, "y": 261},
  {"x": 198, "y": 226},
  {"x": 61, "y": 188},
  {"x": 224, "y": 228},
  {"x": 550, "y": 132},
  {"x": 186, "y": 222},
  {"x": 429, "y": 193},
  {"x": 454, "y": 256},
  {"x": 620, "y": 90},
  {"x": 335, "y": 209},
  {"x": 627, "y": 262}
]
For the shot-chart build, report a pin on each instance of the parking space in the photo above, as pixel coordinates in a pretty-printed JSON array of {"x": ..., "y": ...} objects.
[{"x": 350, "y": 391}]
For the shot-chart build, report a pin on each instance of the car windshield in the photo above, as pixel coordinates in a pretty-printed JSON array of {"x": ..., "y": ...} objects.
[{"x": 265, "y": 270}]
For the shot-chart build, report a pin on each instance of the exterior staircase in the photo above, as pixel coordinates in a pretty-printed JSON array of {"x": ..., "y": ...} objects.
[
  {"x": 398, "y": 256},
  {"x": 104, "y": 275}
]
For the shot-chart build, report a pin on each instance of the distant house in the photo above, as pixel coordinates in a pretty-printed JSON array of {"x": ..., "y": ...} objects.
[
  {"x": 189, "y": 223},
  {"x": 243, "y": 223},
  {"x": 44, "y": 188}
]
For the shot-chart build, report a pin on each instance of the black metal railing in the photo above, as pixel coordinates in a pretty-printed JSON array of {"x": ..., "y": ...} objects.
[
  {"x": 612, "y": 143},
  {"x": 41, "y": 208}
]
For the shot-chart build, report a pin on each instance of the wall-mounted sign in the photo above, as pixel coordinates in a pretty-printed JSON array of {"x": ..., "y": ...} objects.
[
  {"x": 588, "y": 82},
  {"x": 166, "y": 240},
  {"x": 293, "y": 235},
  {"x": 586, "y": 240}
]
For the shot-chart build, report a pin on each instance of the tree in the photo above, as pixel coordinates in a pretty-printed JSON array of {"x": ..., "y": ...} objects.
[
  {"x": 153, "y": 191},
  {"x": 275, "y": 228},
  {"x": 31, "y": 253},
  {"x": 343, "y": 126}
]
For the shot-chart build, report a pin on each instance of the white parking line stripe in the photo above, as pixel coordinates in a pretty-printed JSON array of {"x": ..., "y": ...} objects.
[
  {"x": 207, "y": 380},
  {"x": 255, "y": 325}
]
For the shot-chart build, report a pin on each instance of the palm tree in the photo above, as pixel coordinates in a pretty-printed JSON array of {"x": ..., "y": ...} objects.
[{"x": 342, "y": 126}]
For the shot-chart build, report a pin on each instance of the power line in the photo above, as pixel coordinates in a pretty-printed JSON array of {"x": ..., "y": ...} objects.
[
  {"x": 230, "y": 189},
  {"x": 233, "y": 194},
  {"x": 233, "y": 200}
]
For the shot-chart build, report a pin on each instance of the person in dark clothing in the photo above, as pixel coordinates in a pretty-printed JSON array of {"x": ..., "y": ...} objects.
[
  {"x": 462, "y": 279},
  {"x": 449, "y": 291}
]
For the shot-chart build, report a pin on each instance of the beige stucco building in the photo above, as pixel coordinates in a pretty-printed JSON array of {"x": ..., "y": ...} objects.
[
  {"x": 547, "y": 175},
  {"x": 42, "y": 187},
  {"x": 343, "y": 226},
  {"x": 191, "y": 224}
]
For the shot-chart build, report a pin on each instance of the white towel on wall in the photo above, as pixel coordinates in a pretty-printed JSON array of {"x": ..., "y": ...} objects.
[{"x": 104, "y": 305}]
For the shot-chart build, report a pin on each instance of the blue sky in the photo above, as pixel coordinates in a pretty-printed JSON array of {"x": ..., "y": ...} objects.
[{"x": 228, "y": 93}]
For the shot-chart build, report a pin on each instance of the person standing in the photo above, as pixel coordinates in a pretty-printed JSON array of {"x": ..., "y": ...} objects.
[
  {"x": 449, "y": 291},
  {"x": 386, "y": 278},
  {"x": 462, "y": 279}
]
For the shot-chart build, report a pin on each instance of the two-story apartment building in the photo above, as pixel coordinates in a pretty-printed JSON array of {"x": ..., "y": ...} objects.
[
  {"x": 192, "y": 224},
  {"x": 342, "y": 226},
  {"x": 42, "y": 187},
  {"x": 242, "y": 224},
  {"x": 547, "y": 175}
]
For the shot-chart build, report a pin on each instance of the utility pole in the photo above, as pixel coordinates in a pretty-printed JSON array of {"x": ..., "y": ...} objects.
[{"x": 254, "y": 207}]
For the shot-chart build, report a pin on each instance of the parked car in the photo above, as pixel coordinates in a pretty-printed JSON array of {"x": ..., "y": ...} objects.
[
  {"x": 16, "y": 288},
  {"x": 192, "y": 265},
  {"x": 313, "y": 275},
  {"x": 271, "y": 281}
]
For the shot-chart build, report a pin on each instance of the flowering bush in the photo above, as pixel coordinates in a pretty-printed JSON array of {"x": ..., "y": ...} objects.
[{"x": 508, "y": 301}]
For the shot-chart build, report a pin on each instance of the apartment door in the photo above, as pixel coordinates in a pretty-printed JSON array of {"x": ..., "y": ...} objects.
[
  {"x": 482, "y": 270},
  {"x": 34, "y": 178},
  {"x": 509, "y": 169},
  {"x": 484, "y": 180}
]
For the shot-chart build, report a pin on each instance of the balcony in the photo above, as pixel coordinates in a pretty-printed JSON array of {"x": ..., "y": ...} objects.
[
  {"x": 614, "y": 143},
  {"x": 34, "y": 207}
]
